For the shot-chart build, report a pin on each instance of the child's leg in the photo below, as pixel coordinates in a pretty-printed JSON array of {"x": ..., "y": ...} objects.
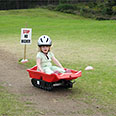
[
  {"x": 48, "y": 70},
  {"x": 55, "y": 68}
]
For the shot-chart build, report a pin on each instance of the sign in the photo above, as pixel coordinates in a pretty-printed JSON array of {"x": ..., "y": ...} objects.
[{"x": 26, "y": 36}]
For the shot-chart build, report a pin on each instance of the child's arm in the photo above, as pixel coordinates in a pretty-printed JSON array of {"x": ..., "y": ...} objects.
[
  {"x": 57, "y": 62},
  {"x": 39, "y": 65}
]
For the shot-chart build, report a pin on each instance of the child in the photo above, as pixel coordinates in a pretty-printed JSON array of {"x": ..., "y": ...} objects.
[{"x": 44, "y": 57}]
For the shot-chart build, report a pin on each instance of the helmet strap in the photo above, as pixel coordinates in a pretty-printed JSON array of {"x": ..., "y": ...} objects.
[{"x": 46, "y": 54}]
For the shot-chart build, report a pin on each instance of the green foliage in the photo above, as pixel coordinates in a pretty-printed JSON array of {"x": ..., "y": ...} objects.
[
  {"x": 114, "y": 10},
  {"x": 106, "y": 6},
  {"x": 50, "y": 7},
  {"x": 66, "y": 8},
  {"x": 97, "y": 10},
  {"x": 92, "y": 4},
  {"x": 62, "y": 7},
  {"x": 87, "y": 12}
]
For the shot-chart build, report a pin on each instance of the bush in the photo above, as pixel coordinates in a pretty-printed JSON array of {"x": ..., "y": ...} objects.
[
  {"x": 92, "y": 4},
  {"x": 114, "y": 10},
  {"x": 97, "y": 10},
  {"x": 64, "y": 7},
  {"x": 105, "y": 7},
  {"x": 69, "y": 11},
  {"x": 102, "y": 18},
  {"x": 113, "y": 18},
  {"x": 87, "y": 12},
  {"x": 51, "y": 7},
  {"x": 106, "y": 11}
]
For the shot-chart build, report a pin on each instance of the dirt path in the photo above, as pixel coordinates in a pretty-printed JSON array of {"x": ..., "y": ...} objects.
[{"x": 56, "y": 103}]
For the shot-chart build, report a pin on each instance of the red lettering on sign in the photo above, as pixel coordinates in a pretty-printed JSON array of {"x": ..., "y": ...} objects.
[{"x": 26, "y": 31}]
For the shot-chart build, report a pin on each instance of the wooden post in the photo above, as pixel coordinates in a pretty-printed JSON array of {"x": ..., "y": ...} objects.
[
  {"x": 24, "y": 51},
  {"x": 25, "y": 44}
]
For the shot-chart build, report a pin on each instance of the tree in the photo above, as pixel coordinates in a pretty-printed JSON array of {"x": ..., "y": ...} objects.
[{"x": 106, "y": 6}]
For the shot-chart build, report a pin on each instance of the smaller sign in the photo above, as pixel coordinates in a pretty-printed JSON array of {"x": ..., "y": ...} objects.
[{"x": 26, "y": 36}]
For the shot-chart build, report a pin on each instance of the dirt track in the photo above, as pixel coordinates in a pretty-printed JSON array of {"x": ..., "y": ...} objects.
[{"x": 55, "y": 103}]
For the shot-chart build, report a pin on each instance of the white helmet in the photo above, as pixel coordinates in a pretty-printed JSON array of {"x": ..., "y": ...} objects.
[{"x": 44, "y": 40}]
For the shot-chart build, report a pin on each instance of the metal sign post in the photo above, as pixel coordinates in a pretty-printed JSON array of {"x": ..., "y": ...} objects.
[{"x": 26, "y": 34}]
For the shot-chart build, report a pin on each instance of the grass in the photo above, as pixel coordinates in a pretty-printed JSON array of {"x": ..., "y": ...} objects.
[
  {"x": 77, "y": 43},
  {"x": 10, "y": 105}
]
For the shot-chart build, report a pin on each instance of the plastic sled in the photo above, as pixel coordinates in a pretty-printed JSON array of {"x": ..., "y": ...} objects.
[{"x": 49, "y": 81}]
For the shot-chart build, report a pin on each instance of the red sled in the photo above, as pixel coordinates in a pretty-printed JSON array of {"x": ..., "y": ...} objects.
[{"x": 49, "y": 81}]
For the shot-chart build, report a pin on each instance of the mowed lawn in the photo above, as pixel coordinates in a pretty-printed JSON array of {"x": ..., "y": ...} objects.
[{"x": 77, "y": 43}]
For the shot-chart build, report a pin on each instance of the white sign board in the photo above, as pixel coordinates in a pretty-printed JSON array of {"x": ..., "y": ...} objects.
[{"x": 26, "y": 36}]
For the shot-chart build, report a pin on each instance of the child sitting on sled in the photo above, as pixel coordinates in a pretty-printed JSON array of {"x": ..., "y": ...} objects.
[{"x": 45, "y": 56}]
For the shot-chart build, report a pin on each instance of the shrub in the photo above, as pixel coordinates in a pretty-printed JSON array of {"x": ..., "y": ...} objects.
[
  {"x": 69, "y": 11},
  {"x": 51, "y": 7},
  {"x": 62, "y": 7},
  {"x": 92, "y": 4},
  {"x": 87, "y": 12},
  {"x": 102, "y": 18},
  {"x": 105, "y": 7},
  {"x": 114, "y": 9},
  {"x": 106, "y": 11},
  {"x": 113, "y": 18}
]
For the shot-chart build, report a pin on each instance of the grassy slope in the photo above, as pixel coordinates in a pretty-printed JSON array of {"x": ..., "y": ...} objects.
[{"x": 78, "y": 42}]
